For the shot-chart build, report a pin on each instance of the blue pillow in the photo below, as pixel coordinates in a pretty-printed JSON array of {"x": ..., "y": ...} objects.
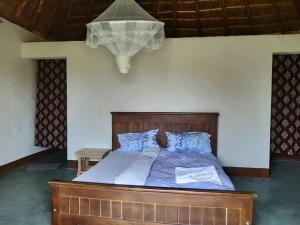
[
  {"x": 189, "y": 142},
  {"x": 136, "y": 142}
]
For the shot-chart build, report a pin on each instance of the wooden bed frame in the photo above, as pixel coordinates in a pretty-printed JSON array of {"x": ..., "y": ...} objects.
[{"x": 77, "y": 203}]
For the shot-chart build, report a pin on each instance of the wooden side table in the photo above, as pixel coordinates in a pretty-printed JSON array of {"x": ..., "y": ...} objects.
[{"x": 86, "y": 154}]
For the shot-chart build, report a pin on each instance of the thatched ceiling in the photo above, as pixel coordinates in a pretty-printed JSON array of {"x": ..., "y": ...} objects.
[{"x": 66, "y": 19}]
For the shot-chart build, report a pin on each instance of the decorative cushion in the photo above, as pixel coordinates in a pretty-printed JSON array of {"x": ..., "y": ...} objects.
[
  {"x": 136, "y": 142},
  {"x": 189, "y": 141}
]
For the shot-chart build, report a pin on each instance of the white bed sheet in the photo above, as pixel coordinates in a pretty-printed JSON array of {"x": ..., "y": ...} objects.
[
  {"x": 162, "y": 172},
  {"x": 109, "y": 168}
]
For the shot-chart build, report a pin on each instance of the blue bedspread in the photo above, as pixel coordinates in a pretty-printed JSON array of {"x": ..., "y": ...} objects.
[{"x": 162, "y": 173}]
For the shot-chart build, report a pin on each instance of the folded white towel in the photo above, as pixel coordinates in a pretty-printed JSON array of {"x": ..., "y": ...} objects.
[{"x": 207, "y": 174}]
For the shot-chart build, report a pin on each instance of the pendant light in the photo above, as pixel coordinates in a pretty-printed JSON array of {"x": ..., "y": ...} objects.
[{"x": 125, "y": 28}]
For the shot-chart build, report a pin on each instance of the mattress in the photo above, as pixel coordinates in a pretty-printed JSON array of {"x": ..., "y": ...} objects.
[
  {"x": 162, "y": 173},
  {"x": 109, "y": 168}
]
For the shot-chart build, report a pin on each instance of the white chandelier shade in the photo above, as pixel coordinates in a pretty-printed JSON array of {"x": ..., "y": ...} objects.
[{"x": 125, "y": 28}]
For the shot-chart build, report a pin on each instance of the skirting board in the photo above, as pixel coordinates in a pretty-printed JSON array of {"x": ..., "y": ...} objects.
[
  {"x": 286, "y": 157},
  {"x": 73, "y": 164},
  {"x": 247, "y": 172},
  {"x": 232, "y": 171},
  {"x": 26, "y": 160}
]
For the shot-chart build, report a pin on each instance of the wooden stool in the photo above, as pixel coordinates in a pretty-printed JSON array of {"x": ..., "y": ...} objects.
[{"x": 86, "y": 154}]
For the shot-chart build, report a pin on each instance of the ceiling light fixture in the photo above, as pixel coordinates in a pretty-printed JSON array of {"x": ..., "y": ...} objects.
[{"x": 125, "y": 28}]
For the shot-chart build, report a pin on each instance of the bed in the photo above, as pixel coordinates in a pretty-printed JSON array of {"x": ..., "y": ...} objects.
[
  {"x": 160, "y": 171},
  {"x": 92, "y": 203}
]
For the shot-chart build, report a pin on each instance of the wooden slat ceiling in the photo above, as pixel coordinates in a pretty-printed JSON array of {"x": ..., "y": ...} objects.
[{"x": 66, "y": 19}]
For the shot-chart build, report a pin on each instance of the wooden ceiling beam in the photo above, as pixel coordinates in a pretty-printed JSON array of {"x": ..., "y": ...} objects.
[
  {"x": 174, "y": 18},
  {"x": 91, "y": 9},
  {"x": 250, "y": 17},
  {"x": 20, "y": 9},
  {"x": 155, "y": 7},
  {"x": 198, "y": 18},
  {"x": 55, "y": 10},
  {"x": 224, "y": 7},
  {"x": 37, "y": 12},
  {"x": 182, "y": 17},
  {"x": 297, "y": 6},
  {"x": 277, "y": 15},
  {"x": 70, "y": 7}
]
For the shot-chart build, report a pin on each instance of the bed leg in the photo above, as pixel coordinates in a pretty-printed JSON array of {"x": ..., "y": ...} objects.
[
  {"x": 55, "y": 204},
  {"x": 247, "y": 213}
]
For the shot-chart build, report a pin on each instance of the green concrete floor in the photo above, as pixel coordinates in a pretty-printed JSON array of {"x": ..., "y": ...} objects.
[
  {"x": 278, "y": 201},
  {"x": 25, "y": 195}
]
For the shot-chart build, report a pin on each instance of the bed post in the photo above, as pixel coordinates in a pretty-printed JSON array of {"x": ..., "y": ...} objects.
[
  {"x": 55, "y": 204},
  {"x": 247, "y": 214}
]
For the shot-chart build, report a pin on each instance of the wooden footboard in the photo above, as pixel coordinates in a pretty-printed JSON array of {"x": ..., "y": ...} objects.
[{"x": 75, "y": 203}]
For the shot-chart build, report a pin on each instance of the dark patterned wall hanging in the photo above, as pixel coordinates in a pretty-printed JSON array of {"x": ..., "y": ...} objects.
[
  {"x": 285, "y": 122},
  {"x": 51, "y": 104}
]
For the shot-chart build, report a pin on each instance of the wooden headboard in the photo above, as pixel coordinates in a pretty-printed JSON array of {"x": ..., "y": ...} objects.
[{"x": 124, "y": 122}]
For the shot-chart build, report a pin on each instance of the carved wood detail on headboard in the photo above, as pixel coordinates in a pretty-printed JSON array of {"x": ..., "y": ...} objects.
[{"x": 124, "y": 122}]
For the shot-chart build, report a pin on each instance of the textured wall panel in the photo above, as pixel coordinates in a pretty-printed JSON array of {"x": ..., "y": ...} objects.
[
  {"x": 285, "y": 123},
  {"x": 51, "y": 104}
]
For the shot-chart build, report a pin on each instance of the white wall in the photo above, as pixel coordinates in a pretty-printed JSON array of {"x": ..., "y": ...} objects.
[
  {"x": 229, "y": 75},
  {"x": 17, "y": 95}
]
